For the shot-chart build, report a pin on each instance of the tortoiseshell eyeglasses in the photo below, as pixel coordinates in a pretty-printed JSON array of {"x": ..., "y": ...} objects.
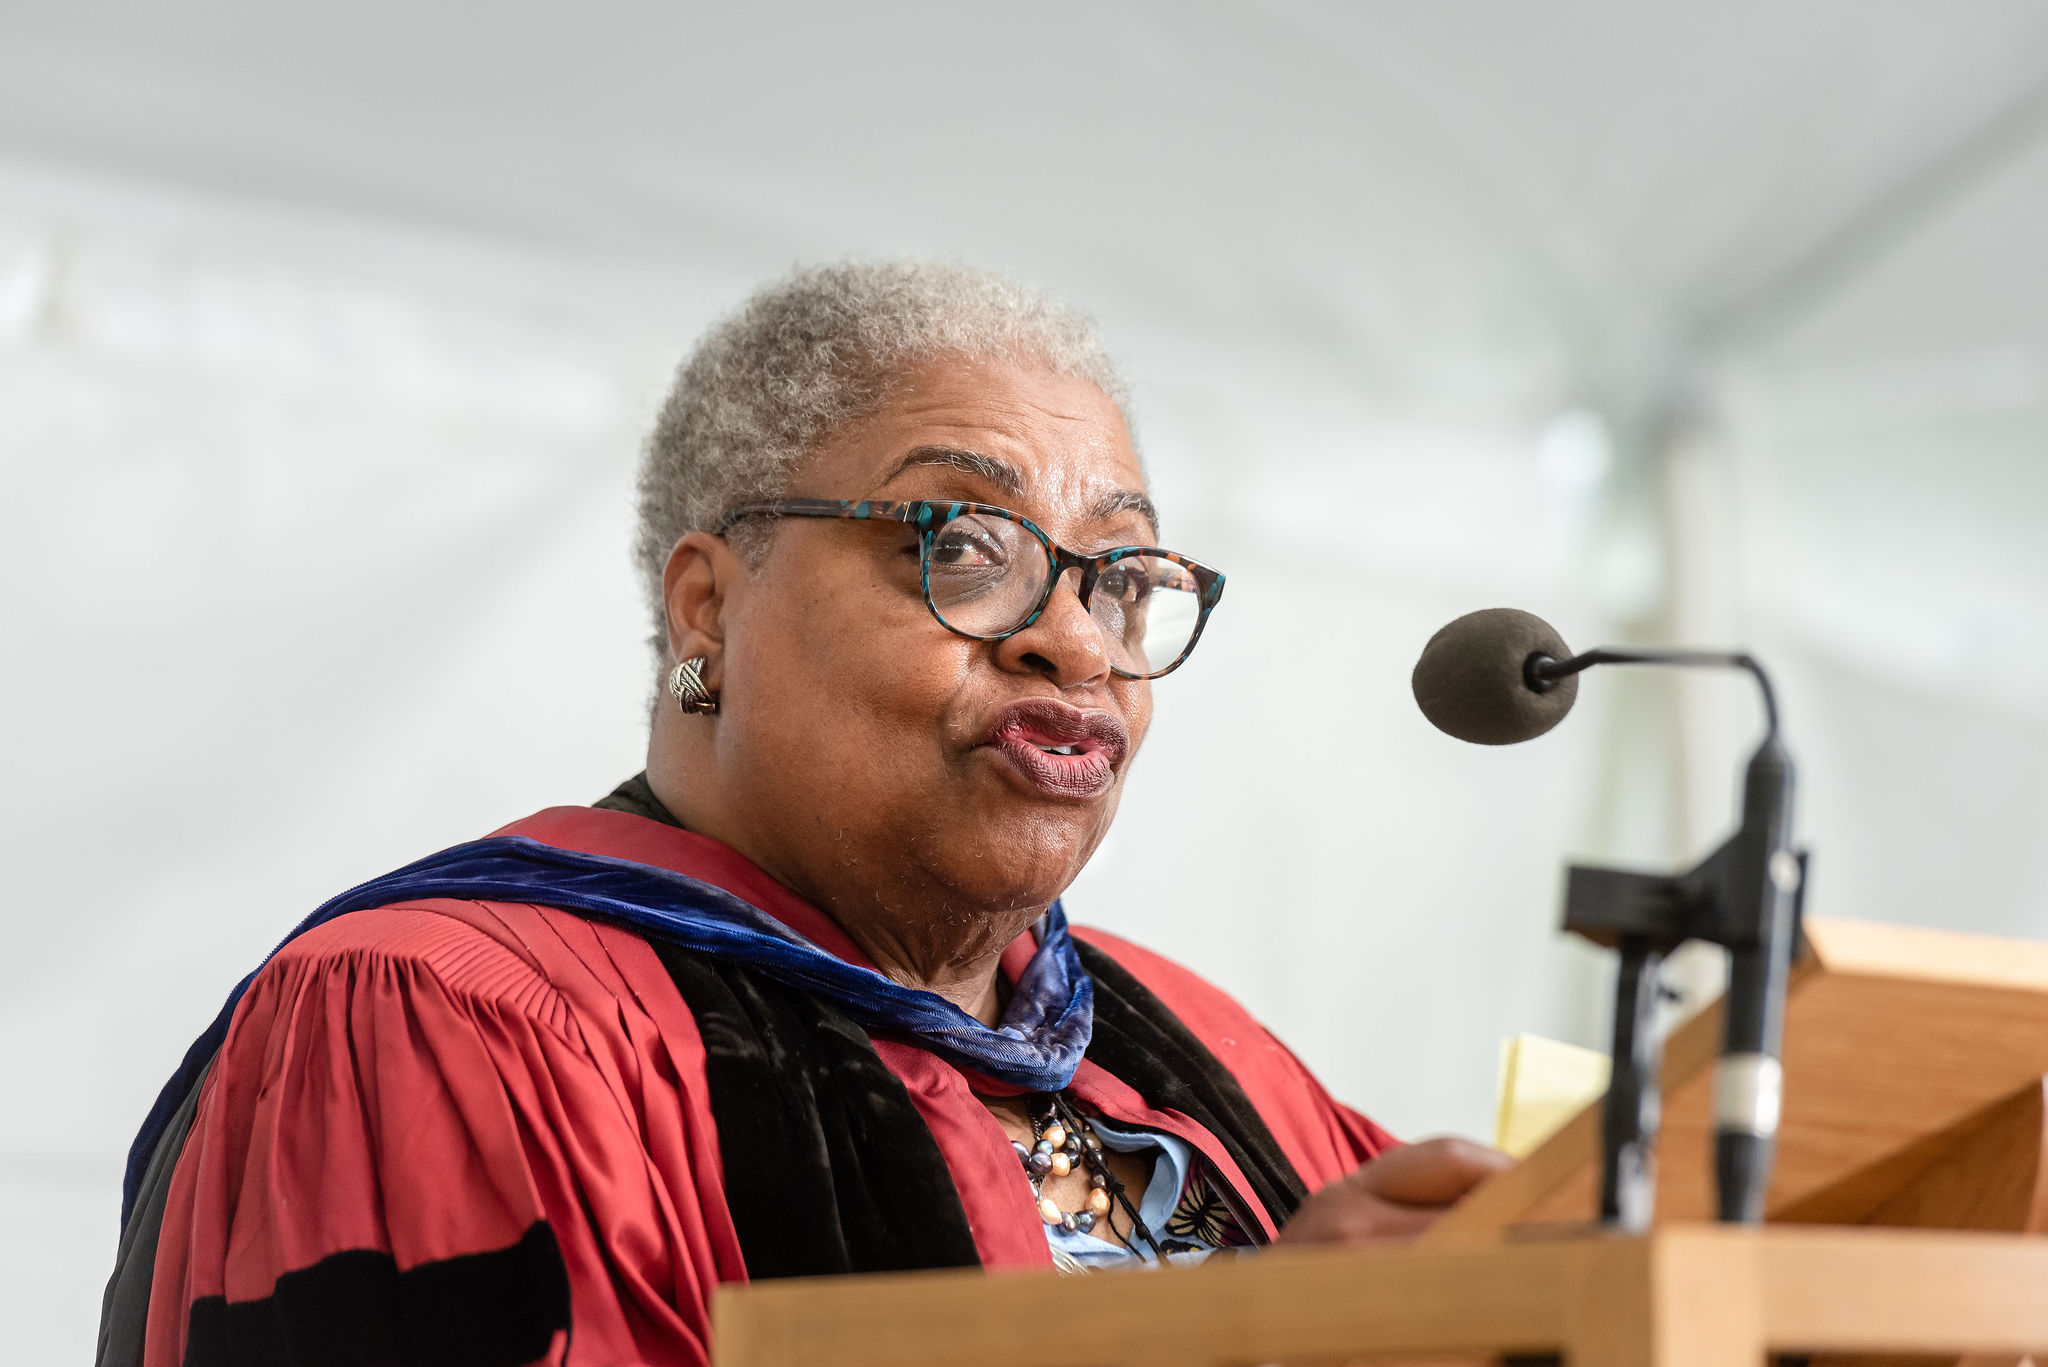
[{"x": 988, "y": 573}]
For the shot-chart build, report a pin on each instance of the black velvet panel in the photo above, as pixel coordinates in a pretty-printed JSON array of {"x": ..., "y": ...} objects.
[
  {"x": 356, "y": 1309},
  {"x": 801, "y": 1195},
  {"x": 1144, "y": 1045},
  {"x": 829, "y": 1167}
]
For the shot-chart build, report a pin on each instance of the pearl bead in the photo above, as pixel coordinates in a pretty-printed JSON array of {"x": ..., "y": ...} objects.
[
  {"x": 1055, "y": 1135},
  {"x": 1098, "y": 1202},
  {"x": 1071, "y": 1222},
  {"x": 1097, "y": 1179},
  {"x": 1061, "y": 1165},
  {"x": 1094, "y": 1144},
  {"x": 1045, "y": 1146},
  {"x": 1041, "y": 1163},
  {"x": 1084, "y": 1222},
  {"x": 1049, "y": 1212}
]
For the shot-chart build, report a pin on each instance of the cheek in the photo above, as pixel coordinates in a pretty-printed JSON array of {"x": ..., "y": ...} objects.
[
  {"x": 1134, "y": 699},
  {"x": 847, "y": 679}
]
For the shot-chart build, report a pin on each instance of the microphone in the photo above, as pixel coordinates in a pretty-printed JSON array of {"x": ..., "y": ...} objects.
[
  {"x": 1473, "y": 679},
  {"x": 1501, "y": 676}
]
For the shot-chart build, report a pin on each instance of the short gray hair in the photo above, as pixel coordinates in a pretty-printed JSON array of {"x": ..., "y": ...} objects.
[{"x": 814, "y": 352}]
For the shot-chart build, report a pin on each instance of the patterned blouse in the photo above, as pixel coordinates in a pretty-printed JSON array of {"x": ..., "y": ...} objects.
[{"x": 1181, "y": 1205}]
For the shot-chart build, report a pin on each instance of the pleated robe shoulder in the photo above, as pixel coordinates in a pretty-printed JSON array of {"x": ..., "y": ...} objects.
[{"x": 478, "y": 1134}]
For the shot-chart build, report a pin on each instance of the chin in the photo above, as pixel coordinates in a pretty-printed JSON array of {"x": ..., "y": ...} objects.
[{"x": 1025, "y": 863}]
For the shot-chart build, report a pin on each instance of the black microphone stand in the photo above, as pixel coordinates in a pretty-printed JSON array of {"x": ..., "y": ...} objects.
[{"x": 1745, "y": 897}]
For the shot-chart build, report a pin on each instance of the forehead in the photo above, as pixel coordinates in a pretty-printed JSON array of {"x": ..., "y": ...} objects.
[{"x": 1056, "y": 448}]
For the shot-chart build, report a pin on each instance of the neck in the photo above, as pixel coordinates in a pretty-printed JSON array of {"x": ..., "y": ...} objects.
[
  {"x": 957, "y": 956},
  {"x": 914, "y": 930}
]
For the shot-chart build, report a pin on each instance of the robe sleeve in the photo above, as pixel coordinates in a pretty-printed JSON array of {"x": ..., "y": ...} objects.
[{"x": 414, "y": 1148}]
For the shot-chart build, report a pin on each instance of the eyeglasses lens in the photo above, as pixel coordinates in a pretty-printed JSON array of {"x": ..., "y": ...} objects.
[
  {"x": 1147, "y": 607},
  {"x": 985, "y": 574}
]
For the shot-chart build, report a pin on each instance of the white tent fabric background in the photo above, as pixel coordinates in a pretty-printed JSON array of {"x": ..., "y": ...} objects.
[{"x": 326, "y": 341}]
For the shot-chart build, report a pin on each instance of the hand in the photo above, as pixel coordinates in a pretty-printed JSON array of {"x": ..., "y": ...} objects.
[{"x": 1398, "y": 1194}]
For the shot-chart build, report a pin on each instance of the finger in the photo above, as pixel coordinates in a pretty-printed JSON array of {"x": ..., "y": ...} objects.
[
  {"x": 1337, "y": 1215},
  {"x": 1392, "y": 1222},
  {"x": 1434, "y": 1172}
]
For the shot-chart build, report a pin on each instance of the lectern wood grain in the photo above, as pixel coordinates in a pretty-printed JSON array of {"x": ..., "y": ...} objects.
[
  {"x": 1992, "y": 1177},
  {"x": 1684, "y": 1296},
  {"x": 1987, "y": 1174}
]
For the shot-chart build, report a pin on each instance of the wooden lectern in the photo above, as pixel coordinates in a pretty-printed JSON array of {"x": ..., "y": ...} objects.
[{"x": 1907, "y": 1210}]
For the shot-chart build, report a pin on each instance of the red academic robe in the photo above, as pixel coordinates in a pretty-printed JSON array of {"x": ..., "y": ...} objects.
[{"x": 437, "y": 1080}]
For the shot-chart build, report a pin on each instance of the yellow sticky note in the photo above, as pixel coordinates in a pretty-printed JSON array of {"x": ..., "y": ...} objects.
[{"x": 1543, "y": 1083}]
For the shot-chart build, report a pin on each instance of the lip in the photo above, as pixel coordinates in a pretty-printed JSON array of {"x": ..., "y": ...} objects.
[{"x": 1022, "y": 733}]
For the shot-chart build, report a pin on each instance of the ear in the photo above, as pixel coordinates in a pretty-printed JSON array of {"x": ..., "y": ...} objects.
[{"x": 701, "y": 571}]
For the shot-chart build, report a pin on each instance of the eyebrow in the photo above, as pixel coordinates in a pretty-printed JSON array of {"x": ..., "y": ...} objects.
[
  {"x": 1010, "y": 480},
  {"x": 1000, "y": 473},
  {"x": 1128, "y": 501}
]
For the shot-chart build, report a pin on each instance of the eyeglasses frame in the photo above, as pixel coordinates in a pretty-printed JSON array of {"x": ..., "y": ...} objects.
[{"x": 927, "y": 516}]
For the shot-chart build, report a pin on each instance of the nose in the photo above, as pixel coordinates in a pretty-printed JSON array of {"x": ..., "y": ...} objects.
[{"x": 1064, "y": 645}]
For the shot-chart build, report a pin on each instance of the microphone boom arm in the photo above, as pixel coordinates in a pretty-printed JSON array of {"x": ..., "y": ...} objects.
[{"x": 1541, "y": 672}]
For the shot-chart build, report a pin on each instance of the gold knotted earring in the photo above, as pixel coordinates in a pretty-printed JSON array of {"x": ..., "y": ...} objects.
[{"x": 686, "y": 685}]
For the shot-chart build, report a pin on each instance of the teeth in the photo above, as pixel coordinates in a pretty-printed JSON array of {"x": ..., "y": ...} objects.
[{"x": 1059, "y": 749}]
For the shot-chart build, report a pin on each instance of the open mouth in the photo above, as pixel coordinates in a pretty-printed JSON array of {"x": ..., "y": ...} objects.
[{"x": 1058, "y": 750}]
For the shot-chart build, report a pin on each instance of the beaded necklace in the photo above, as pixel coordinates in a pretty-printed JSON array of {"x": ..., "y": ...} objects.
[{"x": 1063, "y": 1141}]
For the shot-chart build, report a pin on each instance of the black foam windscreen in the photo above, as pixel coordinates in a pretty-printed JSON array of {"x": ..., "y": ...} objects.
[{"x": 1470, "y": 681}]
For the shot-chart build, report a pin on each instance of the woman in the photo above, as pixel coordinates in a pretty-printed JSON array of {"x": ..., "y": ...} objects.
[{"x": 800, "y": 998}]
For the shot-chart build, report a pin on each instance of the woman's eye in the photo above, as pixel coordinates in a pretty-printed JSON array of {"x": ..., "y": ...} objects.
[
  {"x": 1125, "y": 583},
  {"x": 964, "y": 548}
]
